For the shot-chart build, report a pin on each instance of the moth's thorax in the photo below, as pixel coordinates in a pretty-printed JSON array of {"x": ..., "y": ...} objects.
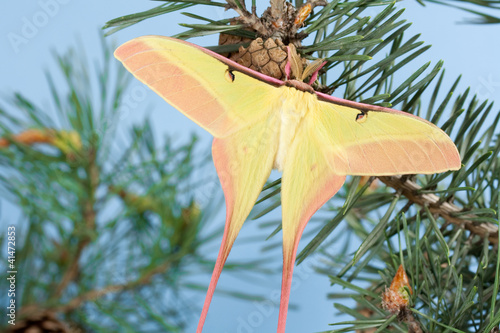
[
  {"x": 293, "y": 105},
  {"x": 299, "y": 85}
]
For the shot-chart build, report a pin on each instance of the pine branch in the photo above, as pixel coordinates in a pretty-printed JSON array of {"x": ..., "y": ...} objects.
[
  {"x": 93, "y": 295},
  {"x": 129, "y": 20},
  {"x": 89, "y": 221},
  {"x": 247, "y": 18},
  {"x": 482, "y": 17},
  {"x": 446, "y": 210}
]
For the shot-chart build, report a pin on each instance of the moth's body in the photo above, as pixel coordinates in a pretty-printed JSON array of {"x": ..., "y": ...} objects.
[
  {"x": 290, "y": 117},
  {"x": 260, "y": 123}
]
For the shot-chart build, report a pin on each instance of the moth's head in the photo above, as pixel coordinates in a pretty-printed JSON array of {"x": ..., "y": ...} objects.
[{"x": 296, "y": 72}]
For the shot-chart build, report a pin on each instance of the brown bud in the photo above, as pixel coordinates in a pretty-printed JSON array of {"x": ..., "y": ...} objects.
[
  {"x": 302, "y": 14},
  {"x": 395, "y": 298},
  {"x": 67, "y": 141}
]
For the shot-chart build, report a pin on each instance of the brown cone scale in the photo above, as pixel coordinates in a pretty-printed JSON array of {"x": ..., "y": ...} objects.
[
  {"x": 267, "y": 57},
  {"x": 34, "y": 320}
]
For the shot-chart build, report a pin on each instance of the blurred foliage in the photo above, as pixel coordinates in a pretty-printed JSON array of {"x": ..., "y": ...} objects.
[{"x": 113, "y": 229}]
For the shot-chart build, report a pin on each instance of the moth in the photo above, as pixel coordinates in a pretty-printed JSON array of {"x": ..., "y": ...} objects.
[{"x": 260, "y": 123}]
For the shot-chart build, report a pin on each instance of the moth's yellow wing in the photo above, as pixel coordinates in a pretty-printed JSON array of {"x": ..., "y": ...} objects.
[
  {"x": 206, "y": 87},
  {"x": 238, "y": 106},
  {"x": 243, "y": 161},
  {"x": 307, "y": 183},
  {"x": 335, "y": 140},
  {"x": 370, "y": 140}
]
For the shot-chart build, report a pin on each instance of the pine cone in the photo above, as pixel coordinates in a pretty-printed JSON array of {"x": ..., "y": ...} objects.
[
  {"x": 267, "y": 57},
  {"x": 39, "y": 321},
  {"x": 227, "y": 39},
  {"x": 45, "y": 322}
]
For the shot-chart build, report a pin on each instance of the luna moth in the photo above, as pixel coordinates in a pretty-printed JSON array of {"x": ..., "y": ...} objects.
[{"x": 260, "y": 123}]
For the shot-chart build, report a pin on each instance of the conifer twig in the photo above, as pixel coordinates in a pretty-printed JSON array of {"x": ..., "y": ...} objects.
[
  {"x": 250, "y": 19},
  {"x": 277, "y": 21},
  {"x": 97, "y": 293},
  {"x": 316, "y": 3},
  {"x": 413, "y": 326},
  {"x": 89, "y": 216},
  {"x": 444, "y": 209},
  {"x": 277, "y": 9}
]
